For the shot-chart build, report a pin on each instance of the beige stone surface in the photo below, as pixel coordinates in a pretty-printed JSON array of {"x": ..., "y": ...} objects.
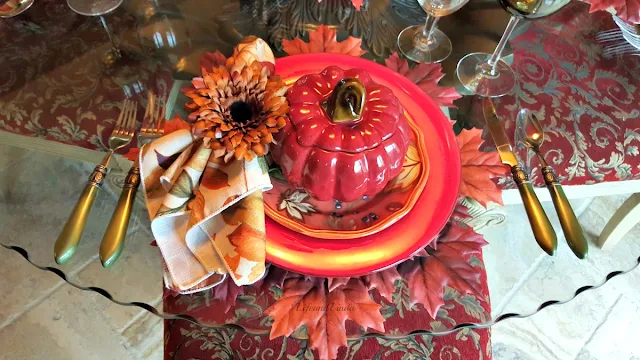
[{"x": 65, "y": 326}]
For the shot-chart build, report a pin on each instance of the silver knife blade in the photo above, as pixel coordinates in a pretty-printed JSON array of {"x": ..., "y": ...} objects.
[{"x": 497, "y": 133}]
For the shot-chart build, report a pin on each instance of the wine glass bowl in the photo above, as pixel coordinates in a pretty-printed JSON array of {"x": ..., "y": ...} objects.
[
  {"x": 486, "y": 74},
  {"x": 425, "y": 43}
]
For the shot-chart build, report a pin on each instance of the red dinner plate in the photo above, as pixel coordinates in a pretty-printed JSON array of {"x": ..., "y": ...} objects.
[{"x": 354, "y": 257}]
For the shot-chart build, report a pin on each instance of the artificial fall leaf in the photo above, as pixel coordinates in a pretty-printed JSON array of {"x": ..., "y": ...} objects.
[
  {"x": 227, "y": 292},
  {"x": 460, "y": 212},
  {"x": 177, "y": 123},
  {"x": 132, "y": 154},
  {"x": 426, "y": 76},
  {"x": 627, "y": 10},
  {"x": 334, "y": 283},
  {"x": 446, "y": 266},
  {"x": 212, "y": 60},
  {"x": 214, "y": 178},
  {"x": 323, "y": 313},
  {"x": 478, "y": 168},
  {"x": 323, "y": 40},
  {"x": 383, "y": 281},
  {"x": 274, "y": 276}
]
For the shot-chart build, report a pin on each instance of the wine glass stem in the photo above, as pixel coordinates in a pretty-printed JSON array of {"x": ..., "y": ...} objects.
[
  {"x": 497, "y": 53},
  {"x": 109, "y": 34},
  {"x": 429, "y": 26}
]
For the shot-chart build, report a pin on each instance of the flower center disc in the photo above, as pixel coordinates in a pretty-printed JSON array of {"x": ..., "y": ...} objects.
[{"x": 241, "y": 112}]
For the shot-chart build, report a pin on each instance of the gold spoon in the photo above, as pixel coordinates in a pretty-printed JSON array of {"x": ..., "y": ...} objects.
[{"x": 532, "y": 134}]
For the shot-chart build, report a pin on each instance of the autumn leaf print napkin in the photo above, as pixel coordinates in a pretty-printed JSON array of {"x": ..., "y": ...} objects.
[{"x": 207, "y": 216}]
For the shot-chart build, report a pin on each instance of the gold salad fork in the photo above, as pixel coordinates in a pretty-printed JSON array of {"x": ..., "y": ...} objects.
[
  {"x": 113, "y": 241},
  {"x": 69, "y": 238}
]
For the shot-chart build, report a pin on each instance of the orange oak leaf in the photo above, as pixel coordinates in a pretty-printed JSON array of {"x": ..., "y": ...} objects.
[
  {"x": 132, "y": 154},
  {"x": 177, "y": 123},
  {"x": 323, "y": 40},
  {"x": 426, "y": 76},
  {"x": 478, "y": 168},
  {"x": 627, "y": 10},
  {"x": 214, "y": 178},
  {"x": 383, "y": 281},
  {"x": 324, "y": 313},
  {"x": 446, "y": 266}
]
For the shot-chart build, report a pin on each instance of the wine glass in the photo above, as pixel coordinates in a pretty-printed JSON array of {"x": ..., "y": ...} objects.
[
  {"x": 486, "y": 74},
  {"x": 11, "y": 8},
  {"x": 99, "y": 8},
  {"x": 425, "y": 43}
]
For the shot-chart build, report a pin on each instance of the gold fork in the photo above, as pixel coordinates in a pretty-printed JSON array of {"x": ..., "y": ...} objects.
[
  {"x": 69, "y": 238},
  {"x": 113, "y": 241}
]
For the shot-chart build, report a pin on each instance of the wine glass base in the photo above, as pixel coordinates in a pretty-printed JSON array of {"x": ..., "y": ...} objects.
[
  {"x": 93, "y": 7},
  {"x": 413, "y": 44},
  {"x": 476, "y": 75}
]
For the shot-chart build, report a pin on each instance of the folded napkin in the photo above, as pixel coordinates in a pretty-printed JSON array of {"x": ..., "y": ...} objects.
[{"x": 207, "y": 216}]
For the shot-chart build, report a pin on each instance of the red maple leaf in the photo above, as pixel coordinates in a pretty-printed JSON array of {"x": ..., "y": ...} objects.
[
  {"x": 274, "y": 276},
  {"x": 627, "y": 10},
  {"x": 478, "y": 168},
  {"x": 334, "y": 283},
  {"x": 323, "y": 40},
  {"x": 383, "y": 281},
  {"x": 426, "y": 76},
  {"x": 324, "y": 313},
  {"x": 446, "y": 266},
  {"x": 227, "y": 292}
]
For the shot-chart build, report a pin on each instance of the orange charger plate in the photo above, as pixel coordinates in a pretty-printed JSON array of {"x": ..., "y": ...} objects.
[{"x": 358, "y": 256}]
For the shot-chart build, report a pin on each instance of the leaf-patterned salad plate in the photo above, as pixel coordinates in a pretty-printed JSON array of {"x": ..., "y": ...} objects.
[
  {"x": 388, "y": 243},
  {"x": 294, "y": 209}
]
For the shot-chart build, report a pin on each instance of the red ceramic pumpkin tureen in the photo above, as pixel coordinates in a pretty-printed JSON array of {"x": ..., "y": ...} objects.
[{"x": 346, "y": 137}]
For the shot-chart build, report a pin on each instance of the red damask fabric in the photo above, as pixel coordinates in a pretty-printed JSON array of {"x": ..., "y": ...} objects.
[
  {"x": 53, "y": 83},
  {"x": 185, "y": 340},
  {"x": 588, "y": 104}
]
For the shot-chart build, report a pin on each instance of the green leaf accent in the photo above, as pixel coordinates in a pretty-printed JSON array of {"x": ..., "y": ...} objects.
[
  {"x": 472, "y": 307},
  {"x": 183, "y": 188},
  {"x": 263, "y": 165},
  {"x": 276, "y": 172},
  {"x": 167, "y": 211}
]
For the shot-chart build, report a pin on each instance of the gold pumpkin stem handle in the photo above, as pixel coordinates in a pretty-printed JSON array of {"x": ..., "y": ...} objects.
[{"x": 346, "y": 103}]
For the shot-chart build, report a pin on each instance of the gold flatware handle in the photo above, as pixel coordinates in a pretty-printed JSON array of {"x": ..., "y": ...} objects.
[
  {"x": 570, "y": 225},
  {"x": 113, "y": 239},
  {"x": 69, "y": 238},
  {"x": 540, "y": 224}
]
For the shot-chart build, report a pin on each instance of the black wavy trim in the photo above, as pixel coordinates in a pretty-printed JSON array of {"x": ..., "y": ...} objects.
[{"x": 191, "y": 319}]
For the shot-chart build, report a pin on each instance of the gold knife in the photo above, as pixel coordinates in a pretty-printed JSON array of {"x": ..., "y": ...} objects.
[{"x": 540, "y": 224}]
